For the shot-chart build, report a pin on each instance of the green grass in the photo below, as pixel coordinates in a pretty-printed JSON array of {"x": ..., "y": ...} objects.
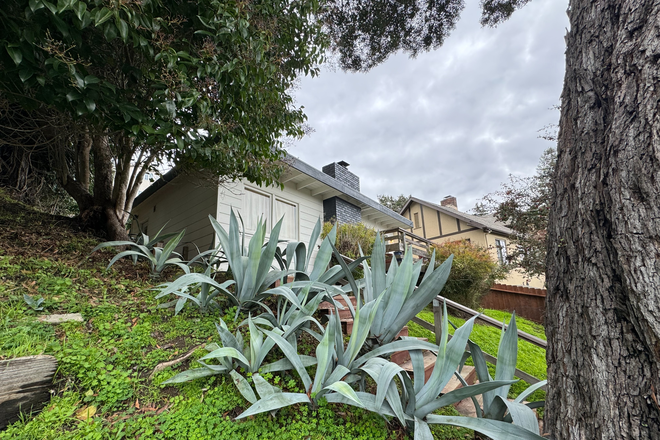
[{"x": 531, "y": 359}]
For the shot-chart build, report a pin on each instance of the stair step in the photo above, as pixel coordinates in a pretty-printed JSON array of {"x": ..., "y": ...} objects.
[
  {"x": 343, "y": 314},
  {"x": 400, "y": 357},
  {"x": 429, "y": 363},
  {"x": 340, "y": 300},
  {"x": 468, "y": 373}
]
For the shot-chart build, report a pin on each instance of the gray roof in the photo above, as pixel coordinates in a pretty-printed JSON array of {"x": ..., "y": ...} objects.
[
  {"x": 481, "y": 222},
  {"x": 305, "y": 176}
]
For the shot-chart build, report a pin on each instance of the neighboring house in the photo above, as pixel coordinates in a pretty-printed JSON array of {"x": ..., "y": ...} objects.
[
  {"x": 444, "y": 222},
  {"x": 183, "y": 201}
]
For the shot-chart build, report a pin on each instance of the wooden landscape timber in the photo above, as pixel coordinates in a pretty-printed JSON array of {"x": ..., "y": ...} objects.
[{"x": 24, "y": 386}]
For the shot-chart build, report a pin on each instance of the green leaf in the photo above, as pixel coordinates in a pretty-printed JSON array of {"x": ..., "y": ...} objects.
[
  {"x": 226, "y": 352},
  {"x": 102, "y": 16},
  {"x": 25, "y": 74},
  {"x": 264, "y": 389},
  {"x": 35, "y": 5},
  {"x": 91, "y": 105},
  {"x": 80, "y": 9},
  {"x": 123, "y": 28},
  {"x": 521, "y": 397},
  {"x": 91, "y": 79},
  {"x": 15, "y": 54},
  {"x": 72, "y": 96}
]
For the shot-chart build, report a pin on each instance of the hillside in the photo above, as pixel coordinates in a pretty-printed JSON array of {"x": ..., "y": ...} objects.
[{"x": 104, "y": 386}]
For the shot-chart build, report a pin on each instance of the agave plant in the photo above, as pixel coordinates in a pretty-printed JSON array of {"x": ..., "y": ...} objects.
[
  {"x": 495, "y": 404},
  {"x": 402, "y": 299},
  {"x": 157, "y": 257},
  {"x": 234, "y": 354},
  {"x": 250, "y": 266},
  {"x": 338, "y": 367},
  {"x": 414, "y": 404}
]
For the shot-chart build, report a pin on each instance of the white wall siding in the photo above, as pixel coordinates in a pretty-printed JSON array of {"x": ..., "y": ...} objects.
[
  {"x": 310, "y": 209},
  {"x": 184, "y": 203}
]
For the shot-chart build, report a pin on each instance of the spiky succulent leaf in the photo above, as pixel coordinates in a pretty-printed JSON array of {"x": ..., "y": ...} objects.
[{"x": 273, "y": 402}]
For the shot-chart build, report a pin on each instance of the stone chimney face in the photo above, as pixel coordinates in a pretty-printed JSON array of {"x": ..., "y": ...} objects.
[
  {"x": 339, "y": 171},
  {"x": 449, "y": 202}
]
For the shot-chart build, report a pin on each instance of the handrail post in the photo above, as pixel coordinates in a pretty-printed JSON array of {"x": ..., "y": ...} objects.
[{"x": 437, "y": 320}]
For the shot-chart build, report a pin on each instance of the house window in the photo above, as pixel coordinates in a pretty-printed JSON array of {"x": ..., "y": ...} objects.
[
  {"x": 257, "y": 206},
  {"x": 500, "y": 245},
  {"x": 289, "y": 213},
  {"x": 416, "y": 216}
]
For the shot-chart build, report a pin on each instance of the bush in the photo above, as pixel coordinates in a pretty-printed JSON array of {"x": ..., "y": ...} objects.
[
  {"x": 349, "y": 236},
  {"x": 473, "y": 272}
]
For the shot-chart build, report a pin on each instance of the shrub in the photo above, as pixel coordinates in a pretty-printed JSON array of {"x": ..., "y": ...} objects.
[
  {"x": 473, "y": 271},
  {"x": 349, "y": 236}
]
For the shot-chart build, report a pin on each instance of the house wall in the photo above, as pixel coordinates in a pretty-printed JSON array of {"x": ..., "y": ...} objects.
[
  {"x": 452, "y": 229},
  {"x": 184, "y": 203},
  {"x": 310, "y": 209}
]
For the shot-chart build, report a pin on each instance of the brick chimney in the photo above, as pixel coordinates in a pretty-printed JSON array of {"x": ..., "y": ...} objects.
[
  {"x": 339, "y": 170},
  {"x": 450, "y": 202}
]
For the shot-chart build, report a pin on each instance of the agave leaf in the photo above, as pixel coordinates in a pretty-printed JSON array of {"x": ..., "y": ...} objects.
[
  {"x": 391, "y": 272},
  {"x": 491, "y": 428},
  {"x": 447, "y": 362},
  {"x": 368, "y": 292},
  {"x": 243, "y": 387},
  {"x": 347, "y": 273},
  {"x": 430, "y": 267},
  {"x": 367, "y": 400},
  {"x": 193, "y": 374},
  {"x": 345, "y": 390},
  {"x": 324, "y": 353},
  {"x": 227, "y": 352},
  {"x": 362, "y": 323},
  {"x": 273, "y": 402},
  {"x": 395, "y": 297},
  {"x": 399, "y": 345},
  {"x": 228, "y": 340},
  {"x": 268, "y": 254},
  {"x": 336, "y": 273},
  {"x": 459, "y": 394},
  {"x": 424, "y": 294},
  {"x": 169, "y": 248},
  {"x": 395, "y": 402},
  {"x": 285, "y": 364},
  {"x": 231, "y": 245},
  {"x": 422, "y": 430},
  {"x": 287, "y": 293},
  {"x": 130, "y": 252},
  {"x": 521, "y": 397},
  {"x": 417, "y": 360},
  {"x": 112, "y": 244},
  {"x": 179, "y": 304},
  {"x": 292, "y": 356},
  {"x": 507, "y": 356},
  {"x": 323, "y": 255},
  {"x": 378, "y": 271},
  {"x": 316, "y": 232},
  {"x": 340, "y": 372},
  {"x": 264, "y": 389},
  {"x": 522, "y": 415},
  {"x": 387, "y": 374}
]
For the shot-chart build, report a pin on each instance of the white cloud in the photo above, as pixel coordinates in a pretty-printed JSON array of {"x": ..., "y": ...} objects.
[{"x": 454, "y": 121}]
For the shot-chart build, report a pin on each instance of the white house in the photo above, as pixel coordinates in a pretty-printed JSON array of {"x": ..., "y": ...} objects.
[{"x": 182, "y": 201}]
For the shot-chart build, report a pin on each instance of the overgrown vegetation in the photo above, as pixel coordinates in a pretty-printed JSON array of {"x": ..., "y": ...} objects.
[
  {"x": 350, "y": 237},
  {"x": 473, "y": 272},
  {"x": 112, "y": 383}
]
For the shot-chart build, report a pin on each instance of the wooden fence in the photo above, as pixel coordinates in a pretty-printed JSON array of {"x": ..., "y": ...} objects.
[{"x": 527, "y": 302}]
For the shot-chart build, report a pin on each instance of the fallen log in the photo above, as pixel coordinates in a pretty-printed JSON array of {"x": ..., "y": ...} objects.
[{"x": 24, "y": 386}]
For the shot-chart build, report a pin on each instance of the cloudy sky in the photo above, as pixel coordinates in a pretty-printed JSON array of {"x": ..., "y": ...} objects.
[{"x": 456, "y": 121}]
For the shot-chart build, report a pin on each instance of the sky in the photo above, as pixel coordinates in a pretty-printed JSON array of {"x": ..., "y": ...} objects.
[{"x": 454, "y": 121}]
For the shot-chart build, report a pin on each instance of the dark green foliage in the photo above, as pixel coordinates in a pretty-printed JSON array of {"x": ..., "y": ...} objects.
[
  {"x": 523, "y": 204},
  {"x": 473, "y": 272},
  {"x": 365, "y": 32},
  {"x": 350, "y": 236},
  {"x": 394, "y": 203},
  {"x": 495, "y": 12}
]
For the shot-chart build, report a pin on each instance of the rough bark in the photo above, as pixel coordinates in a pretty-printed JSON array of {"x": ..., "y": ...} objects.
[{"x": 603, "y": 303}]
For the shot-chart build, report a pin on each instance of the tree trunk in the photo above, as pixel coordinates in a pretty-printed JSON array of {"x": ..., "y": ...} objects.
[{"x": 603, "y": 302}]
